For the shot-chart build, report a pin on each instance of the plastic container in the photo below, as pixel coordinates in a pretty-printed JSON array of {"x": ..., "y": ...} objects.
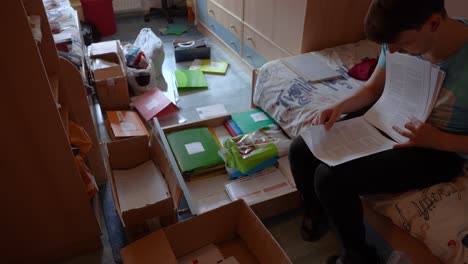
[{"x": 101, "y": 14}]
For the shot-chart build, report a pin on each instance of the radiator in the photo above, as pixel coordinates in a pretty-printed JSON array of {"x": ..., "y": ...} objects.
[{"x": 123, "y": 6}]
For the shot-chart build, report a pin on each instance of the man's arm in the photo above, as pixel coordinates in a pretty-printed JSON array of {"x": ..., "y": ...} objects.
[
  {"x": 366, "y": 96},
  {"x": 423, "y": 135}
]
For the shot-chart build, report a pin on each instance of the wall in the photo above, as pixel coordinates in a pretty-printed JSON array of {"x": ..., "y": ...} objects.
[{"x": 457, "y": 8}]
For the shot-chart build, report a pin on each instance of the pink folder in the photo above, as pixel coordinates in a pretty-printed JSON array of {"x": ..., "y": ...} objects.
[{"x": 154, "y": 103}]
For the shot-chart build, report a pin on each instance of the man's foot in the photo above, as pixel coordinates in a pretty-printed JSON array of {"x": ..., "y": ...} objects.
[{"x": 314, "y": 226}]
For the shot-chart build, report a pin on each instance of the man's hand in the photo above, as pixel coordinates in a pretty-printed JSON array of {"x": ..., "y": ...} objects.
[
  {"x": 419, "y": 134},
  {"x": 328, "y": 116}
]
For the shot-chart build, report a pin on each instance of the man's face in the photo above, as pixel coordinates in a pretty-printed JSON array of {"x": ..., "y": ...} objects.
[{"x": 413, "y": 42}]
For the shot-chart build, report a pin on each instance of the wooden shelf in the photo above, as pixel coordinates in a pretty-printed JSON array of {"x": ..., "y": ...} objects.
[
  {"x": 64, "y": 115},
  {"x": 54, "y": 86}
]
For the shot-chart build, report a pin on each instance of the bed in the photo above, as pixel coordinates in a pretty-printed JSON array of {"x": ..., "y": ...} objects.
[{"x": 430, "y": 225}]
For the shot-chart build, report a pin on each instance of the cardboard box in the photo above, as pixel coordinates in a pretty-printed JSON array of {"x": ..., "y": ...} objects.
[
  {"x": 233, "y": 228},
  {"x": 139, "y": 198},
  {"x": 110, "y": 80}
]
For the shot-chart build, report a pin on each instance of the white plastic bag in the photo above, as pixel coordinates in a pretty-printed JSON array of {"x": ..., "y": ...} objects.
[
  {"x": 141, "y": 80},
  {"x": 153, "y": 48}
]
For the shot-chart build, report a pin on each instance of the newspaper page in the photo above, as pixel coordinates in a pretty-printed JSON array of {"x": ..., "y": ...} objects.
[
  {"x": 345, "y": 141},
  {"x": 406, "y": 94},
  {"x": 410, "y": 90}
]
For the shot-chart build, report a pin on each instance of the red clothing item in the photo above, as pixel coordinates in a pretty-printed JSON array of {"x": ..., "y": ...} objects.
[{"x": 363, "y": 70}]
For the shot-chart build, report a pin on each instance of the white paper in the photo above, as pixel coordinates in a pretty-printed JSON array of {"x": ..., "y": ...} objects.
[
  {"x": 194, "y": 148},
  {"x": 211, "y": 111},
  {"x": 407, "y": 93},
  {"x": 258, "y": 117},
  {"x": 196, "y": 64},
  {"x": 208, "y": 193},
  {"x": 345, "y": 141},
  {"x": 127, "y": 126},
  {"x": 152, "y": 104},
  {"x": 259, "y": 187},
  {"x": 221, "y": 133}
]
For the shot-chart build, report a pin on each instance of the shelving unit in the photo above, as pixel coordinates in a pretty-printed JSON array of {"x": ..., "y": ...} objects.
[{"x": 47, "y": 214}]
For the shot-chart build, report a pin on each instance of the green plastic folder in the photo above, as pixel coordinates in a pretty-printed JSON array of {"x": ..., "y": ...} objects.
[
  {"x": 190, "y": 79},
  {"x": 252, "y": 120},
  {"x": 194, "y": 149},
  {"x": 213, "y": 67},
  {"x": 175, "y": 29}
]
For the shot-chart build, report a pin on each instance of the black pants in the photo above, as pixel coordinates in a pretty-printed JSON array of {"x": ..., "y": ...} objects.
[{"x": 337, "y": 190}]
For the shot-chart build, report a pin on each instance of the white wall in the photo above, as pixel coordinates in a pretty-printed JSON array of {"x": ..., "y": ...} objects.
[{"x": 457, "y": 8}]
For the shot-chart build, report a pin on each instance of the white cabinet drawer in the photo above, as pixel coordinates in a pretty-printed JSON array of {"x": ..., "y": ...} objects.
[
  {"x": 231, "y": 23},
  {"x": 236, "y": 7},
  {"x": 263, "y": 46},
  {"x": 212, "y": 188}
]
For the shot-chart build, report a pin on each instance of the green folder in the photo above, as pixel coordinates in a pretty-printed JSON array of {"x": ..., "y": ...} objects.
[
  {"x": 252, "y": 120},
  {"x": 194, "y": 149},
  {"x": 190, "y": 79},
  {"x": 212, "y": 67},
  {"x": 176, "y": 29}
]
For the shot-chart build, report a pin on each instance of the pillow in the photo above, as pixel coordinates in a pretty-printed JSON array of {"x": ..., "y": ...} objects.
[{"x": 438, "y": 216}]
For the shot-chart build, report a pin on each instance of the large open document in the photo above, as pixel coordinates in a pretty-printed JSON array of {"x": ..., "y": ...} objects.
[{"x": 411, "y": 89}]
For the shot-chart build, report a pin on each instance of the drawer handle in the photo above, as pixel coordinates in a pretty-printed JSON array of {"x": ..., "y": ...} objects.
[
  {"x": 211, "y": 11},
  {"x": 232, "y": 43},
  {"x": 249, "y": 56},
  {"x": 211, "y": 25},
  {"x": 249, "y": 38},
  {"x": 232, "y": 26}
]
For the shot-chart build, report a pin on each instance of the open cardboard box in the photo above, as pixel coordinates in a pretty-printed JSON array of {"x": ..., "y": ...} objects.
[
  {"x": 139, "y": 199},
  {"x": 111, "y": 82},
  {"x": 233, "y": 228}
]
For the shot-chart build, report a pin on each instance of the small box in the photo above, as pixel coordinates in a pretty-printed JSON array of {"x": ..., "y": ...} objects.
[
  {"x": 108, "y": 67},
  {"x": 189, "y": 50},
  {"x": 142, "y": 199},
  {"x": 233, "y": 228}
]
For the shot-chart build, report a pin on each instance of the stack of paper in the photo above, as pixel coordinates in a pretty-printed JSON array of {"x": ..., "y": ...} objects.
[
  {"x": 259, "y": 187},
  {"x": 411, "y": 90},
  {"x": 196, "y": 152}
]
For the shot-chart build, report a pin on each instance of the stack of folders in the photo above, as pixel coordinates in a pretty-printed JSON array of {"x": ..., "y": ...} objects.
[
  {"x": 250, "y": 121},
  {"x": 196, "y": 152}
]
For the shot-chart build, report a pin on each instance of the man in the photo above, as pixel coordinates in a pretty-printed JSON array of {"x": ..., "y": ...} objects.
[{"x": 435, "y": 150}]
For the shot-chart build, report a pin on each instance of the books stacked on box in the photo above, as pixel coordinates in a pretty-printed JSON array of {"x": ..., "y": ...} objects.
[
  {"x": 249, "y": 121},
  {"x": 196, "y": 152}
]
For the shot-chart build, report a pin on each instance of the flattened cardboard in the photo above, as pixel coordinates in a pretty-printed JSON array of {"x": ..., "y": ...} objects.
[
  {"x": 233, "y": 228},
  {"x": 152, "y": 199}
]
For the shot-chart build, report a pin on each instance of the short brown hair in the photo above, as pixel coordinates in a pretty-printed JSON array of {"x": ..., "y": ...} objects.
[{"x": 387, "y": 18}]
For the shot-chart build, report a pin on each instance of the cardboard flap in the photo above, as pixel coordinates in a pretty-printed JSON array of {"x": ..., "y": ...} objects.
[
  {"x": 140, "y": 187},
  {"x": 161, "y": 159},
  {"x": 257, "y": 238},
  {"x": 213, "y": 226},
  {"x": 154, "y": 248},
  {"x": 128, "y": 153}
]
